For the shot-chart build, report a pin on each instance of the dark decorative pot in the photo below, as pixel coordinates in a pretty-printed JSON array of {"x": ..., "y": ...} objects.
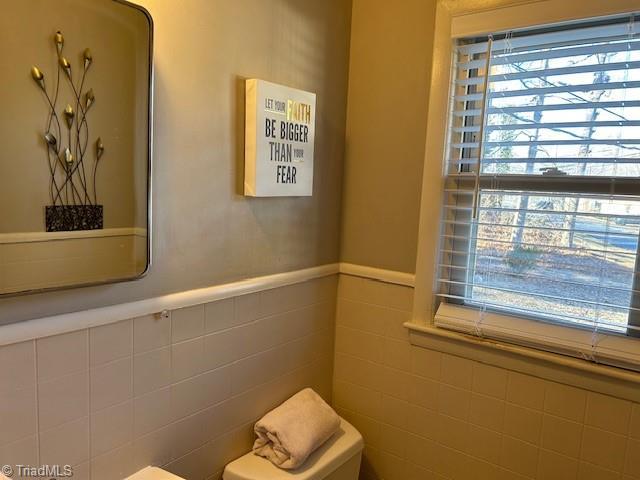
[{"x": 66, "y": 218}]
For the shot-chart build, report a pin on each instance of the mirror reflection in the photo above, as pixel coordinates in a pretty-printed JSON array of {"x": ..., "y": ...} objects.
[{"x": 75, "y": 139}]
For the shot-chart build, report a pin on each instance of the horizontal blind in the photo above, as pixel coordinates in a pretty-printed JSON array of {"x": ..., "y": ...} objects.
[{"x": 542, "y": 200}]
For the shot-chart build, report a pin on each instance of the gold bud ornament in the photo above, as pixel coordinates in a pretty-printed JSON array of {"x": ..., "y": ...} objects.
[
  {"x": 58, "y": 39},
  {"x": 37, "y": 76},
  {"x": 99, "y": 148},
  {"x": 89, "y": 98},
  {"x": 69, "y": 115},
  {"x": 64, "y": 63},
  {"x": 50, "y": 139},
  {"x": 88, "y": 58},
  {"x": 68, "y": 157}
]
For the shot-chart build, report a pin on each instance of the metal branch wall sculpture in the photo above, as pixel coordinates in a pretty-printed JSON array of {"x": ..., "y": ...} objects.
[{"x": 73, "y": 169}]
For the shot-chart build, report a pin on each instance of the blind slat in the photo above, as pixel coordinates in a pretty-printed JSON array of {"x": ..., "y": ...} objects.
[{"x": 557, "y": 245}]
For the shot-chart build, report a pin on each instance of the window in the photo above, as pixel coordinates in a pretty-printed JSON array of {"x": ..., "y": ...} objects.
[{"x": 542, "y": 197}]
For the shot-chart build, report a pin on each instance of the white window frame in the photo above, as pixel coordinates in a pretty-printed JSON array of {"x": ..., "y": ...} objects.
[{"x": 461, "y": 19}]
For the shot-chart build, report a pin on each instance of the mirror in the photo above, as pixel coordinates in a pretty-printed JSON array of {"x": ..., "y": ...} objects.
[{"x": 75, "y": 132}]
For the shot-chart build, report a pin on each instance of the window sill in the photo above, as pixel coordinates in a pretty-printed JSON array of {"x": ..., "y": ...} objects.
[{"x": 549, "y": 366}]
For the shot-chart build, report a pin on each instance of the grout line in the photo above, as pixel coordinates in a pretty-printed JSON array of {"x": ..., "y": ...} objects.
[
  {"x": 131, "y": 385},
  {"x": 89, "y": 416},
  {"x": 37, "y": 394}
]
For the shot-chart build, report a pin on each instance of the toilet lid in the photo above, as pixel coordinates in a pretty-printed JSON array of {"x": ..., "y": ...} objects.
[
  {"x": 343, "y": 445},
  {"x": 153, "y": 473}
]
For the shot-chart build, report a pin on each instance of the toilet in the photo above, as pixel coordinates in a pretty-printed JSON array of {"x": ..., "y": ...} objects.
[{"x": 338, "y": 459}]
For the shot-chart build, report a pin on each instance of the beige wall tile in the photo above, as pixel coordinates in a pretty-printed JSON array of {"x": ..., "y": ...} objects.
[
  {"x": 522, "y": 423},
  {"x": 454, "y": 402},
  {"x": 260, "y": 368},
  {"x": 152, "y": 411},
  {"x": 608, "y": 413},
  {"x": 456, "y": 371},
  {"x": 359, "y": 344},
  {"x": 192, "y": 465},
  {"x": 189, "y": 434},
  {"x": 358, "y": 399},
  {"x": 394, "y": 324},
  {"x": 452, "y": 432},
  {"x": 289, "y": 297},
  {"x": 17, "y": 413},
  {"x": 111, "y": 428},
  {"x": 117, "y": 463},
  {"x": 422, "y": 451},
  {"x": 21, "y": 452},
  {"x": 110, "y": 342},
  {"x": 426, "y": 363},
  {"x": 199, "y": 392},
  {"x": 395, "y": 411},
  {"x": 111, "y": 384},
  {"x": 489, "y": 380},
  {"x": 415, "y": 472},
  {"x": 361, "y": 316},
  {"x": 565, "y": 401},
  {"x": 394, "y": 382},
  {"x": 187, "y": 359},
  {"x": 396, "y": 354},
  {"x": 393, "y": 440},
  {"x": 62, "y": 355},
  {"x": 487, "y": 412},
  {"x": 63, "y": 400},
  {"x": 485, "y": 444},
  {"x": 602, "y": 448},
  {"x": 151, "y": 370},
  {"x": 422, "y": 421},
  {"x": 525, "y": 390},
  {"x": 370, "y": 429},
  {"x": 424, "y": 392},
  {"x": 187, "y": 323},
  {"x": 553, "y": 466},
  {"x": 519, "y": 456},
  {"x": 374, "y": 292},
  {"x": 632, "y": 459},
  {"x": 634, "y": 426},
  {"x": 561, "y": 436},
  {"x": 151, "y": 332},
  {"x": 247, "y": 308},
  {"x": 66, "y": 444},
  {"x": 357, "y": 370},
  {"x": 17, "y": 365},
  {"x": 222, "y": 348},
  {"x": 139, "y": 431},
  {"x": 219, "y": 315},
  {"x": 153, "y": 448},
  {"x": 589, "y": 471}
]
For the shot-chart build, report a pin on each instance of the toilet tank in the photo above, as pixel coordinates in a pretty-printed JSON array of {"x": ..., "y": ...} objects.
[{"x": 338, "y": 459}]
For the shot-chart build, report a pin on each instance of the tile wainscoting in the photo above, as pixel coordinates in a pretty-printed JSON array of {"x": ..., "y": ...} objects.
[
  {"x": 180, "y": 391},
  {"x": 429, "y": 415}
]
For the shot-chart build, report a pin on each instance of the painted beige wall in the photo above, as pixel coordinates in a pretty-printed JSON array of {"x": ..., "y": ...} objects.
[
  {"x": 389, "y": 73},
  {"x": 204, "y": 231}
]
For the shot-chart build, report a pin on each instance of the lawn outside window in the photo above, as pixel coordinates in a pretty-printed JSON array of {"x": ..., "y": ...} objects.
[{"x": 541, "y": 215}]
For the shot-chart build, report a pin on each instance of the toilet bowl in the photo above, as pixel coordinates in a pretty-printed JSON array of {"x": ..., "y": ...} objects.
[{"x": 338, "y": 459}]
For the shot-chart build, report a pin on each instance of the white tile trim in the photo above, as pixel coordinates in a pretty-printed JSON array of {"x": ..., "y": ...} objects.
[
  {"x": 388, "y": 276},
  {"x": 68, "y": 322}
]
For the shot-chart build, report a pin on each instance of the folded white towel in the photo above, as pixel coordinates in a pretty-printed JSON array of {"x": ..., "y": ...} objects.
[{"x": 288, "y": 434}]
